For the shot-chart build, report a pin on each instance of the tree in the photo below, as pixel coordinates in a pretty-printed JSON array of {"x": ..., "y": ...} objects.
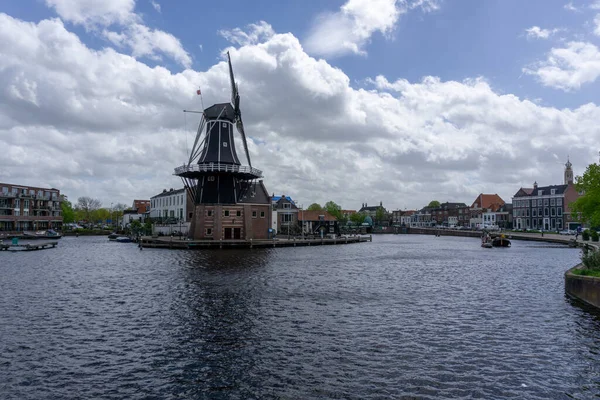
[
  {"x": 358, "y": 218},
  {"x": 380, "y": 214},
  {"x": 100, "y": 215},
  {"x": 334, "y": 209},
  {"x": 433, "y": 204},
  {"x": 587, "y": 207},
  {"x": 87, "y": 205},
  {"x": 315, "y": 207},
  {"x": 67, "y": 211}
]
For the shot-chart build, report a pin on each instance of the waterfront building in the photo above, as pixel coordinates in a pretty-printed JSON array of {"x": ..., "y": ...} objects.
[
  {"x": 483, "y": 210},
  {"x": 318, "y": 222},
  {"x": 422, "y": 218},
  {"x": 371, "y": 211},
  {"x": 546, "y": 207},
  {"x": 402, "y": 218},
  {"x": 229, "y": 200},
  {"x": 447, "y": 213},
  {"x": 172, "y": 204},
  {"x": 29, "y": 208},
  {"x": 284, "y": 214}
]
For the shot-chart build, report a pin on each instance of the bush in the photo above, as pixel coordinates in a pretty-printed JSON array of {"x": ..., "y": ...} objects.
[
  {"x": 585, "y": 235},
  {"x": 594, "y": 236},
  {"x": 591, "y": 260}
]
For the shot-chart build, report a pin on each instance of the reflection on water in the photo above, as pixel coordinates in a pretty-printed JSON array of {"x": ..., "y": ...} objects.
[{"x": 413, "y": 316}]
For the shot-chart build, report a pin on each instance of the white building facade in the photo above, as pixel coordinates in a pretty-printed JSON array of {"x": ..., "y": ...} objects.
[{"x": 171, "y": 204}]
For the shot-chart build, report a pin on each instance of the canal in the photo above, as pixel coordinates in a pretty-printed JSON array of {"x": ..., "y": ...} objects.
[{"x": 405, "y": 316}]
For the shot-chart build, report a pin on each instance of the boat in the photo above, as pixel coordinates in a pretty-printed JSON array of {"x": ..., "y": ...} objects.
[
  {"x": 113, "y": 236},
  {"x": 123, "y": 239},
  {"x": 501, "y": 241},
  {"x": 49, "y": 234}
]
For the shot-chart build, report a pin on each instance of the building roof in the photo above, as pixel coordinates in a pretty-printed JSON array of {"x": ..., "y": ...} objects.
[
  {"x": 348, "y": 212},
  {"x": 560, "y": 189},
  {"x": 169, "y": 192},
  {"x": 314, "y": 216},
  {"x": 141, "y": 205},
  {"x": 256, "y": 193},
  {"x": 490, "y": 201}
]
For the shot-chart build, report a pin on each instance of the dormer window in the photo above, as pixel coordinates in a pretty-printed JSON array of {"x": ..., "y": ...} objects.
[
  {"x": 552, "y": 191},
  {"x": 287, "y": 205},
  {"x": 540, "y": 192}
]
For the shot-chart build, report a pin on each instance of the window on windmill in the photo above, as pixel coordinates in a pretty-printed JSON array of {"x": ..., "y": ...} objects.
[
  {"x": 224, "y": 124},
  {"x": 211, "y": 178},
  {"x": 224, "y": 144},
  {"x": 253, "y": 214},
  {"x": 209, "y": 213},
  {"x": 238, "y": 213},
  {"x": 227, "y": 213}
]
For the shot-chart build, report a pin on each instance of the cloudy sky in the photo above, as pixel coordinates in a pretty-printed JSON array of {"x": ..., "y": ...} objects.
[{"x": 400, "y": 101}]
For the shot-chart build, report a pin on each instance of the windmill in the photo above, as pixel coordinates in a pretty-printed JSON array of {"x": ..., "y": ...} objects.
[{"x": 213, "y": 174}]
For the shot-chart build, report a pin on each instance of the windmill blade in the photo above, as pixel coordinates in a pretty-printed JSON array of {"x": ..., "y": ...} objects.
[
  {"x": 234, "y": 91},
  {"x": 240, "y": 127},
  {"x": 195, "y": 147}
]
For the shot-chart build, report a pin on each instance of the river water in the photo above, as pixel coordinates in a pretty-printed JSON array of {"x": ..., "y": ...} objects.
[{"x": 405, "y": 316}]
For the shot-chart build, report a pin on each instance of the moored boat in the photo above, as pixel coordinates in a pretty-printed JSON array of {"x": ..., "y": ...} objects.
[{"x": 501, "y": 241}]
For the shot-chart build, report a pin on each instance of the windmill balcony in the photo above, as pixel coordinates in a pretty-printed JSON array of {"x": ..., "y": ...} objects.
[{"x": 218, "y": 167}]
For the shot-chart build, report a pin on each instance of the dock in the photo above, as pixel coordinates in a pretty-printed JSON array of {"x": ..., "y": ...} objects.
[
  {"x": 167, "y": 242},
  {"x": 37, "y": 245}
]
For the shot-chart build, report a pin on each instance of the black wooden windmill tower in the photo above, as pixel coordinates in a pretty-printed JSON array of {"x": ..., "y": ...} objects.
[{"x": 217, "y": 182}]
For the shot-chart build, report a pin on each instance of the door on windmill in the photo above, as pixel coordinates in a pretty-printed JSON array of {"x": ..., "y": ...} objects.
[
  {"x": 237, "y": 233},
  {"x": 228, "y": 233}
]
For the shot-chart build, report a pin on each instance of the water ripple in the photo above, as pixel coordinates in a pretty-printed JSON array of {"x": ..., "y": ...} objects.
[{"x": 402, "y": 317}]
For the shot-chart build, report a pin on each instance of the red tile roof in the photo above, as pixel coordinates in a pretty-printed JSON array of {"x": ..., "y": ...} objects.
[
  {"x": 490, "y": 201},
  {"x": 306, "y": 215}
]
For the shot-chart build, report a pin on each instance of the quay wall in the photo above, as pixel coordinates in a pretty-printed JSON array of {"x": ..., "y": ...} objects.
[{"x": 584, "y": 288}]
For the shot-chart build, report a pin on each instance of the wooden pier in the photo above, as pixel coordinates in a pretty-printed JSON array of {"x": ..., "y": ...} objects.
[
  {"x": 37, "y": 245},
  {"x": 166, "y": 242}
]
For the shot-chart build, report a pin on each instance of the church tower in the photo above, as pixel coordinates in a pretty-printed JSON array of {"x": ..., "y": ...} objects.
[{"x": 568, "y": 172}]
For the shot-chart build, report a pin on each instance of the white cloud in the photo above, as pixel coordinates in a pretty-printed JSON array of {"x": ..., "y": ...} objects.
[
  {"x": 570, "y": 7},
  {"x": 597, "y": 23},
  {"x": 147, "y": 42},
  {"x": 535, "y": 32},
  {"x": 103, "y": 124},
  {"x": 350, "y": 29},
  {"x": 253, "y": 34},
  {"x": 94, "y": 12},
  {"x": 126, "y": 29},
  {"x": 155, "y": 5},
  {"x": 595, "y": 5},
  {"x": 568, "y": 68}
]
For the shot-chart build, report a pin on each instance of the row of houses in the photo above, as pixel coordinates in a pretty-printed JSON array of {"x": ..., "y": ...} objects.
[{"x": 539, "y": 207}]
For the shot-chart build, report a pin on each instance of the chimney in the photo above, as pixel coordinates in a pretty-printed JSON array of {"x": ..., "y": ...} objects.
[
  {"x": 164, "y": 190},
  {"x": 381, "y": 204},
  {"x": 535, "y": 185}
]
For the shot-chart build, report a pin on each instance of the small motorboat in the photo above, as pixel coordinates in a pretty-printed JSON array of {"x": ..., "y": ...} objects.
[
  {"x": 123, "y": 239},
  {"x": 113, "y": 236},
  {"x": 487, "y": 245},
  {"x": 501, "y": 241}
]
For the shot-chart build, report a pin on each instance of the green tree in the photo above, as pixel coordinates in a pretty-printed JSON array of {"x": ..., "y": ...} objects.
[
  {"x": 87, "y": 205},
  {"x": 334, "y": 209},
  {"x": 587, "y": 207},
  {"x": 433, "y": 204},
  {"x": 380, "y": 214},
  {"x": 358, "y": 218},
  {"x": 100, "y": 215},
  {"x": 315, "y": 207},
  {"x": 67, "y": 211}
]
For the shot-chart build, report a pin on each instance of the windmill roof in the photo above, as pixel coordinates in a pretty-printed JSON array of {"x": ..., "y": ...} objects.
[{"x": 214, "y": 111}]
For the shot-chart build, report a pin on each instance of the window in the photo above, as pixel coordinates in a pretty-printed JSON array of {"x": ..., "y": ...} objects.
[
  {"x": 287, "y": 205},
  {"x": 546, "y": 213},
  {"x": 211, "y": 178},
  {"x": 286, "y": 217},
  {"x": 226, "y": 213},
  {"x": 540, "y": 192},
  {"x": 238, "y": 213},
  {"x": 26, "y": 204},
  {"x": 533, "y": 212},
  {"x": 262, "y": 214},
  {"x": 534, "y": 223},
  {"x": 559, "y": 211},
  {"x": 527, "y": 212},
  {"x": 16, "y": 213},
  {"x": 253, "y": 214},
  {"x": 539, "y": 202},
  {"x": 224, "y": 144},
  {"x": 224, "y": 124},
  {"x": 552, "y": 191},
  {"x": 208, "y": 231},
  {"x": 209, "y": 213},
  {"x": 546, "y": 202},
  {"x": 559, "y": 223},
  {"x": 553, "y": 212},
  {"x": 172, "y": 214},
  {"x": 552, "y": 202}
]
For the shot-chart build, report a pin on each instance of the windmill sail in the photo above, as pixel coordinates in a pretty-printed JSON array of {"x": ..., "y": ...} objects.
[{"x": 235, "y": 101}]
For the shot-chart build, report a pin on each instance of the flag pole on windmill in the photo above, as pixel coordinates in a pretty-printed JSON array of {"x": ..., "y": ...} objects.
[{"x": 199, "y": 93}]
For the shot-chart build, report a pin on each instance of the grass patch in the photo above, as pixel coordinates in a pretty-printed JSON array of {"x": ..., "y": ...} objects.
[{"x": 586, "y": 272}]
